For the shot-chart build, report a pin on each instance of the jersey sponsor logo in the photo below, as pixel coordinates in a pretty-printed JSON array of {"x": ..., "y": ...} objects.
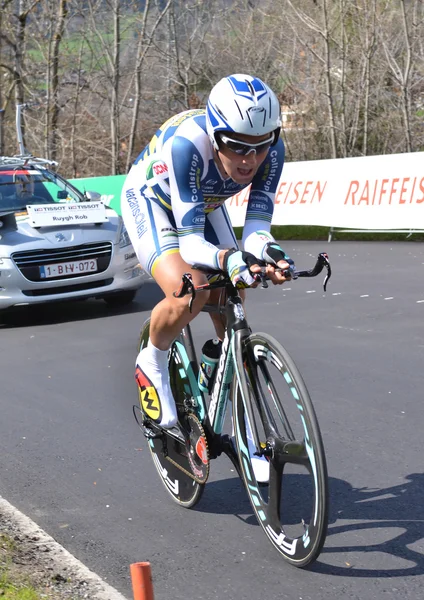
[
  {"x": 258, "y": 206},
  {"x": 211, "y": 207},
  {"x": 169, "y": 232},
  {"x": 177, "y": 120},
  {"x": 232, "y": 185},
  {"x": 156, "y": 169},
  {"x": 214, "y": 199},
  {"x": 259, "y": 201},
  {"x": 213, "y": 202},
  {"x": 138, "y": 216},
  {"x": 194, "y": 216},
  {"x": 194, "y": 177},
  {"x": 149, "y": 398},
  {"x": 160, "y": 168},
  {"x": 271, "y": 170}
]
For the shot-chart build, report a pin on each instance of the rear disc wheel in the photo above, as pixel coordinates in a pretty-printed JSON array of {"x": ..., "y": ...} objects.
[{"x": 168, "y": 449}]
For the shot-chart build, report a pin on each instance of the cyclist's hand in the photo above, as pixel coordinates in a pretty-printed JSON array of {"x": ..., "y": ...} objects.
[
  {"x": 237, "y": 264},
  {"x": 276, "y": 257}
]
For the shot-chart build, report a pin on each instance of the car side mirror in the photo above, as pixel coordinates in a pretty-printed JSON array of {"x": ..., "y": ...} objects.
[
  {"x": 62, "y": 195},
  {"x": 93, "y": 196}
]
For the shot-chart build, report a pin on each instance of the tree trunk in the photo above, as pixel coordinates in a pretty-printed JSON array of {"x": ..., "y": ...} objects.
[{"x": 57, "y": 37}]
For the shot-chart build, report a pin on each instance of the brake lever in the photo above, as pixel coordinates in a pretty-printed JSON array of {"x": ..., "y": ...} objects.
[
  {"x": 328, "y": 267},
  {"x": 262, "y": 278}
]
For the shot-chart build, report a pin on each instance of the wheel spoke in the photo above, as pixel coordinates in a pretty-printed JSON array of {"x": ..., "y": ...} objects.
[
  {"x": 274, "y": 493},
  {"x": 277, "y": 402},
  {"x": 292, "y": 508}
]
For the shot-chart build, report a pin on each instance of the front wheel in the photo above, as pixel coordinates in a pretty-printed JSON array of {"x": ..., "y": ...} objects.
[{"x": 271, "y": 399}]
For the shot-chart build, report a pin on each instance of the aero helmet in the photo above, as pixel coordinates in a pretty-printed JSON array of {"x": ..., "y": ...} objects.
[{"x": 242, "y": 104}]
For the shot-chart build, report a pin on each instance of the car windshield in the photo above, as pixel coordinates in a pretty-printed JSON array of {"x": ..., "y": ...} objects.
[{"x": 26, "y": 186}]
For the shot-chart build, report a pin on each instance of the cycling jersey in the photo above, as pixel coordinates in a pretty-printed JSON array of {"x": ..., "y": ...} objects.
[{"x": 174, "y": 188}]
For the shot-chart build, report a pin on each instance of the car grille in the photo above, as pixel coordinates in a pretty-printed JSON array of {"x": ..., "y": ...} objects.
[
  {"x": 66, "y": 289},
  {"x": 30, "y": 261}
]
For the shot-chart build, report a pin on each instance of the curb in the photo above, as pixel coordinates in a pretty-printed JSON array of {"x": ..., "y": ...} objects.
[{"x": 95, "y": 586}]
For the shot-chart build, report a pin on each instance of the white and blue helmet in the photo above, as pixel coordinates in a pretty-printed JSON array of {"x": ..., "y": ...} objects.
[{"x": 242, "y": 104}]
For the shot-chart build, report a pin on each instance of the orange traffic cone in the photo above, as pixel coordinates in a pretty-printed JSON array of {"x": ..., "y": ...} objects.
[{"x": 141, "y": 578}]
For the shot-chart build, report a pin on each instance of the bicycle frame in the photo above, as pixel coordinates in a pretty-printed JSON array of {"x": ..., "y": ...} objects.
[
  {"x": 212, "y": 414},
  {"x": 237, "y": 329}
]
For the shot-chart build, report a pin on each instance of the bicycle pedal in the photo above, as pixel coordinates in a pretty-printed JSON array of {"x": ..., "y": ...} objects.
[
  {"x": 190, "y": 404},
  {"x": 149, "y": 433}
]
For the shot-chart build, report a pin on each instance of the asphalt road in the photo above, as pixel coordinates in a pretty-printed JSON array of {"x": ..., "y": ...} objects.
[{"x": 73, "y": 459}]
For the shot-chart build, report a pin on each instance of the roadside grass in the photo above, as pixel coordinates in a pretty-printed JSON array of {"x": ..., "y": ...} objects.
[
  {"x": 20, "y": 579},
  {"x": 313, "y": 233},
  {"x": 13, "y": 585}
]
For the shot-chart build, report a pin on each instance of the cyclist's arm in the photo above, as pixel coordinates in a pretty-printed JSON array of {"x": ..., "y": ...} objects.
[
  {"x": 186, "y": 164},
  {"x": 260, "y": 207}
]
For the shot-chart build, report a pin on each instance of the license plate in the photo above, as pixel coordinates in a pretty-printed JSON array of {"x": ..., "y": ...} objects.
[{"x": 68, "y": 268}]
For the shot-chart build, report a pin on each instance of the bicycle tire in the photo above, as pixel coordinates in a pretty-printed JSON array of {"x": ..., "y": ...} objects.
[
  {"x": 261, "y": 360},
  {"x": 182, "y": 488}
]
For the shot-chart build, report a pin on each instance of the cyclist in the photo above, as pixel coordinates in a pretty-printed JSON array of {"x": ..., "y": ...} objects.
[{"x": 173, "y": 208}]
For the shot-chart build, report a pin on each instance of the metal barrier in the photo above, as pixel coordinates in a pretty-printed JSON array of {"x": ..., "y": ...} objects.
[{"x": 407, "y": 232}]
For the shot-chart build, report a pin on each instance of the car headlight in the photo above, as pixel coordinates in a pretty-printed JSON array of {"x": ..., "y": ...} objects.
[{"x": 124, "y": 239}]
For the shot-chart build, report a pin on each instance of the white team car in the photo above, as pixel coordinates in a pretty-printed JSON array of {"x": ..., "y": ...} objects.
[{"x": 57, "y": 243}]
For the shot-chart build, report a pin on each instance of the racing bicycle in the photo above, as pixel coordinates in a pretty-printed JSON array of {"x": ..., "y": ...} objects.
[{"x": 272, "y": 415}]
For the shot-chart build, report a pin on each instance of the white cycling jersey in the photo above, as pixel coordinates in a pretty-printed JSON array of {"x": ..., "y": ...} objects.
[{"x": 173, "y": 197}]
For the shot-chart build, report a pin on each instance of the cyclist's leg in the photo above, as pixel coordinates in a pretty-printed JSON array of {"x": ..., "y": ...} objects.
[
  {"x": 219, "y": 231},
  {"x": 155, "y": 242}
]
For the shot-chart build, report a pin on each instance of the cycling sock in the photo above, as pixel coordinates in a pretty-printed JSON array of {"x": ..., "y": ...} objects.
[
  {"x": 152, "y": 377},
  {"x": 260, "y": 464}
]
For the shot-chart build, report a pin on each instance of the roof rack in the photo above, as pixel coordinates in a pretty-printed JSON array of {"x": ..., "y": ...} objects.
[{"x": 24, "y": 157}]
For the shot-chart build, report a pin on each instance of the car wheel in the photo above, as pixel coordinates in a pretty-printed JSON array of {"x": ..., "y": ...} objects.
[{"x": 120, "y": 298}]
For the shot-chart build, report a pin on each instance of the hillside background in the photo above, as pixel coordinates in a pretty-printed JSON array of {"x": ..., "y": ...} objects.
[{"x": 105, "y": 74}]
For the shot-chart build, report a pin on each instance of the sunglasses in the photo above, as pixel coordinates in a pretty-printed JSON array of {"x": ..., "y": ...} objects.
[{"x": 243, "y": 148}]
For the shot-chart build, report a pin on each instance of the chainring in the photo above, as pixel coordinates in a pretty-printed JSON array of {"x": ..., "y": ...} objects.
[{"x": 197, "y": 449}]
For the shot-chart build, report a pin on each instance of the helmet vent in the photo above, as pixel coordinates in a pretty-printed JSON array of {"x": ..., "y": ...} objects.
[
  {"x": 251, "y": 88},
  {"x": 219, "y": 111},
  {"x": 239, "y": 109}
]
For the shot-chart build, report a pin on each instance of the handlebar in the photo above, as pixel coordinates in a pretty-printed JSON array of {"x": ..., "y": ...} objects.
[
  {"x": 322, "y": 261},
  {"x": 187, "y": 286}
]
